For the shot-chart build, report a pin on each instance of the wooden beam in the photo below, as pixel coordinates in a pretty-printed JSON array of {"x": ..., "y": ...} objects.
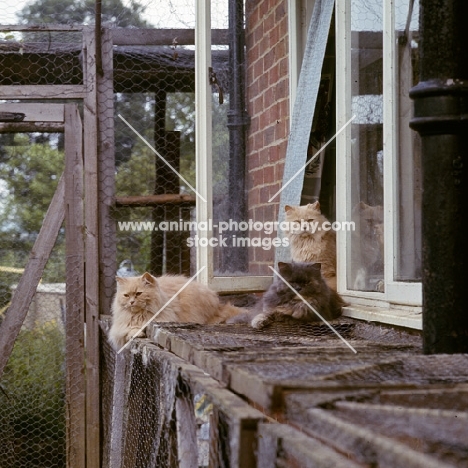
[
  {"x": 11, "y": 325},
  {"x": 106, "y": 161},
  {"x": 125, "y": 36},
  {"x": 39, "y": 27},
  {"x": 42, "y": 92},
  {"x": 74, "y": 316},
  {"x": 92, "y": 253},
  {"x": 27, "y": 127},
  {"x": 35, "y": 112},
  {"x": 155, "y": 200}
]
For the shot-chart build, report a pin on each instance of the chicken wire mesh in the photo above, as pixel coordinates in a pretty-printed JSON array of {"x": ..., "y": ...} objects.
[
  {"x": 166, "y": 412},
  {"x": 39, "y": 390}
]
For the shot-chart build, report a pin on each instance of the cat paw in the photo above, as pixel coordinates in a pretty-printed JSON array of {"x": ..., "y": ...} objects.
[
  {"x": 132, "y": 334},
  {"x": 259, "y": 321}
]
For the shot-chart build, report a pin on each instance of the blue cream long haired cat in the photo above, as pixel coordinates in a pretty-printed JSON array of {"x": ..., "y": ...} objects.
[{"x": 139, "y": 298}]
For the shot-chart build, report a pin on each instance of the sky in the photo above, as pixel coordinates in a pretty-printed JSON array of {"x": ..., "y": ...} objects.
[
  {"x": 366, "y": 14},
  {"x": 171, "y": 13}
]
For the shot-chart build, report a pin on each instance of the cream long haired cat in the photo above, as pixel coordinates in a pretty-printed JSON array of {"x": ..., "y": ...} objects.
[
  {"x": 138, "y": 298},
  {"x": 310, "y": 242}
]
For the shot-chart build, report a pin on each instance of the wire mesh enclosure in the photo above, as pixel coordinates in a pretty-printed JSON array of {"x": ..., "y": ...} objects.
[
  {"x": 316, "y": 402},
  {"x": 162, "y": 411},
  {"x": 102, "y": 175}
]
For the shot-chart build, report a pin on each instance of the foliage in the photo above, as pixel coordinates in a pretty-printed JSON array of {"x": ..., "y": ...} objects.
[
  {"x": 114, "y": 12},
  {"x": 30, "y": 172},
  {"x": 32, "y": 400}
]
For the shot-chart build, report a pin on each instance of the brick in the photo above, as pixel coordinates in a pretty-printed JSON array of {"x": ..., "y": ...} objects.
[
  {"x": 265, "y": 194},
  {"x": 263, "y": 8},
  {"x": 268, "y": 23},
  {"x": 283, "y": 67},
  {"x": 268, "y": 60},
  {"x": 258, "y": 69},
  {"x": 273, "y": 36},
  {"x": 269, "y": 135},
  {"x": 269, "y": 174},
  {"x": 280, "y": 13},
  {"x": 257, "y": 177},
  {"x": 281, "y": 48},
  {"x": 257, "y": 105},
  {"x": 273, "y": 75},
  {"x": 263, "y": 154}
]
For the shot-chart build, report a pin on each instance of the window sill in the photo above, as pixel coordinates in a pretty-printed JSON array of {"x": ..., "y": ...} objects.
[{"x": 397, "y": 317}]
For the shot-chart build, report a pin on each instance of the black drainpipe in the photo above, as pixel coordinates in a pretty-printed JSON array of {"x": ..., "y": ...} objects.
[
  {"x": 441, "y": 118},
  {"x": 236, "y": 258}
]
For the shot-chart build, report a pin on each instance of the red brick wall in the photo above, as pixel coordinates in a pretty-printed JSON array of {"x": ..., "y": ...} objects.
[{"x": 268, "y": 108}]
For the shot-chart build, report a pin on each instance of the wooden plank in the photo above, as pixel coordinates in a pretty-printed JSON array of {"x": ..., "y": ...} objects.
[
  {"x": 42, "y": 92},
  {"x": 40, "y": 27},
  {"x": 155, "y": 200},
  {"x": 91, "y": 254},
  {"x": 121, "y": 388},
  {"x": 282, "y": 445},
  {"x": 367, "y": 446},
  {"x": 186, "y": 425},
  {"x": 106, "y": 161},
  {"x": 125, "y": 36},
  {"x": 11, "y": 325},
  {"x": 74, "y": 318},
  {"x": 28, "y": 127},
  {"x": 241, "y": 419},
  {"x": 35, "y": 112}
]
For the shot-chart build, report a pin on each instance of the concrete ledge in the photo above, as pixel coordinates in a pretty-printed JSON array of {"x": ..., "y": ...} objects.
[{"x": 398, "y": 317}]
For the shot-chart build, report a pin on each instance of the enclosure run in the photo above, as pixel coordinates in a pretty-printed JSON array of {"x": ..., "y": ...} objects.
[{"x": 192, "y": 395}]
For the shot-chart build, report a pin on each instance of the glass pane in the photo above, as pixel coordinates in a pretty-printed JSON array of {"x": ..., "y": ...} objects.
[
  {"x": 408, "y": 259},
  {"x": 366, "y": 255}
]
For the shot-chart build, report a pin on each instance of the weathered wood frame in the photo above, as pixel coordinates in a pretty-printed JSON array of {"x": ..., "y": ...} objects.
[
  {"x": 83, "y": 445},
  {"x": 186, "y": 380},
  {"x": 66, "y": 205}
]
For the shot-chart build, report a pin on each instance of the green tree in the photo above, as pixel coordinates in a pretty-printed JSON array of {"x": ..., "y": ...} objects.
[
  {"x": 114, "y": 12},
  {"x": 30, "y": 172}
]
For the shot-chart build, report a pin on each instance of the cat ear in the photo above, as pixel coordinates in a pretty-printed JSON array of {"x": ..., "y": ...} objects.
[
  {"x": 120, "y": 280},
  {"x": 288, "y": 208},
  {"x": 148, "y": 279},
  {"x": 284, "y": 267},
  {"x": 315, "y": 206}
]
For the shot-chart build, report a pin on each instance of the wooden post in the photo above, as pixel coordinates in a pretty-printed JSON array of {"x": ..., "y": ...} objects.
[
  {"x": 187, "y": 449},
  {"x": 74, "y": 316},
  {"x": 157, "y": 237},
  {"x": 92, "y": 253},
  {"x": 106, "y": 156},
  {"x": 174, "y": 239}
]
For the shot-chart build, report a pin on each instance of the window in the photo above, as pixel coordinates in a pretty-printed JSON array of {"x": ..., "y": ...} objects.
[{"x": 378, "y": 157}]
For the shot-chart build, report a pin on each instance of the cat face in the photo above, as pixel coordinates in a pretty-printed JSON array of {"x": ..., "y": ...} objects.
[
  {"x": 134, "y": 294},
  {"x": 299, "y": 272},
  {"x": 304, "y": 220}
]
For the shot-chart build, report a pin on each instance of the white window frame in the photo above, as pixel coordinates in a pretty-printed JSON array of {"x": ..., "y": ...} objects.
[
  {"x": 203, "y": 162},
  {"x": 396, "y": 293}
]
